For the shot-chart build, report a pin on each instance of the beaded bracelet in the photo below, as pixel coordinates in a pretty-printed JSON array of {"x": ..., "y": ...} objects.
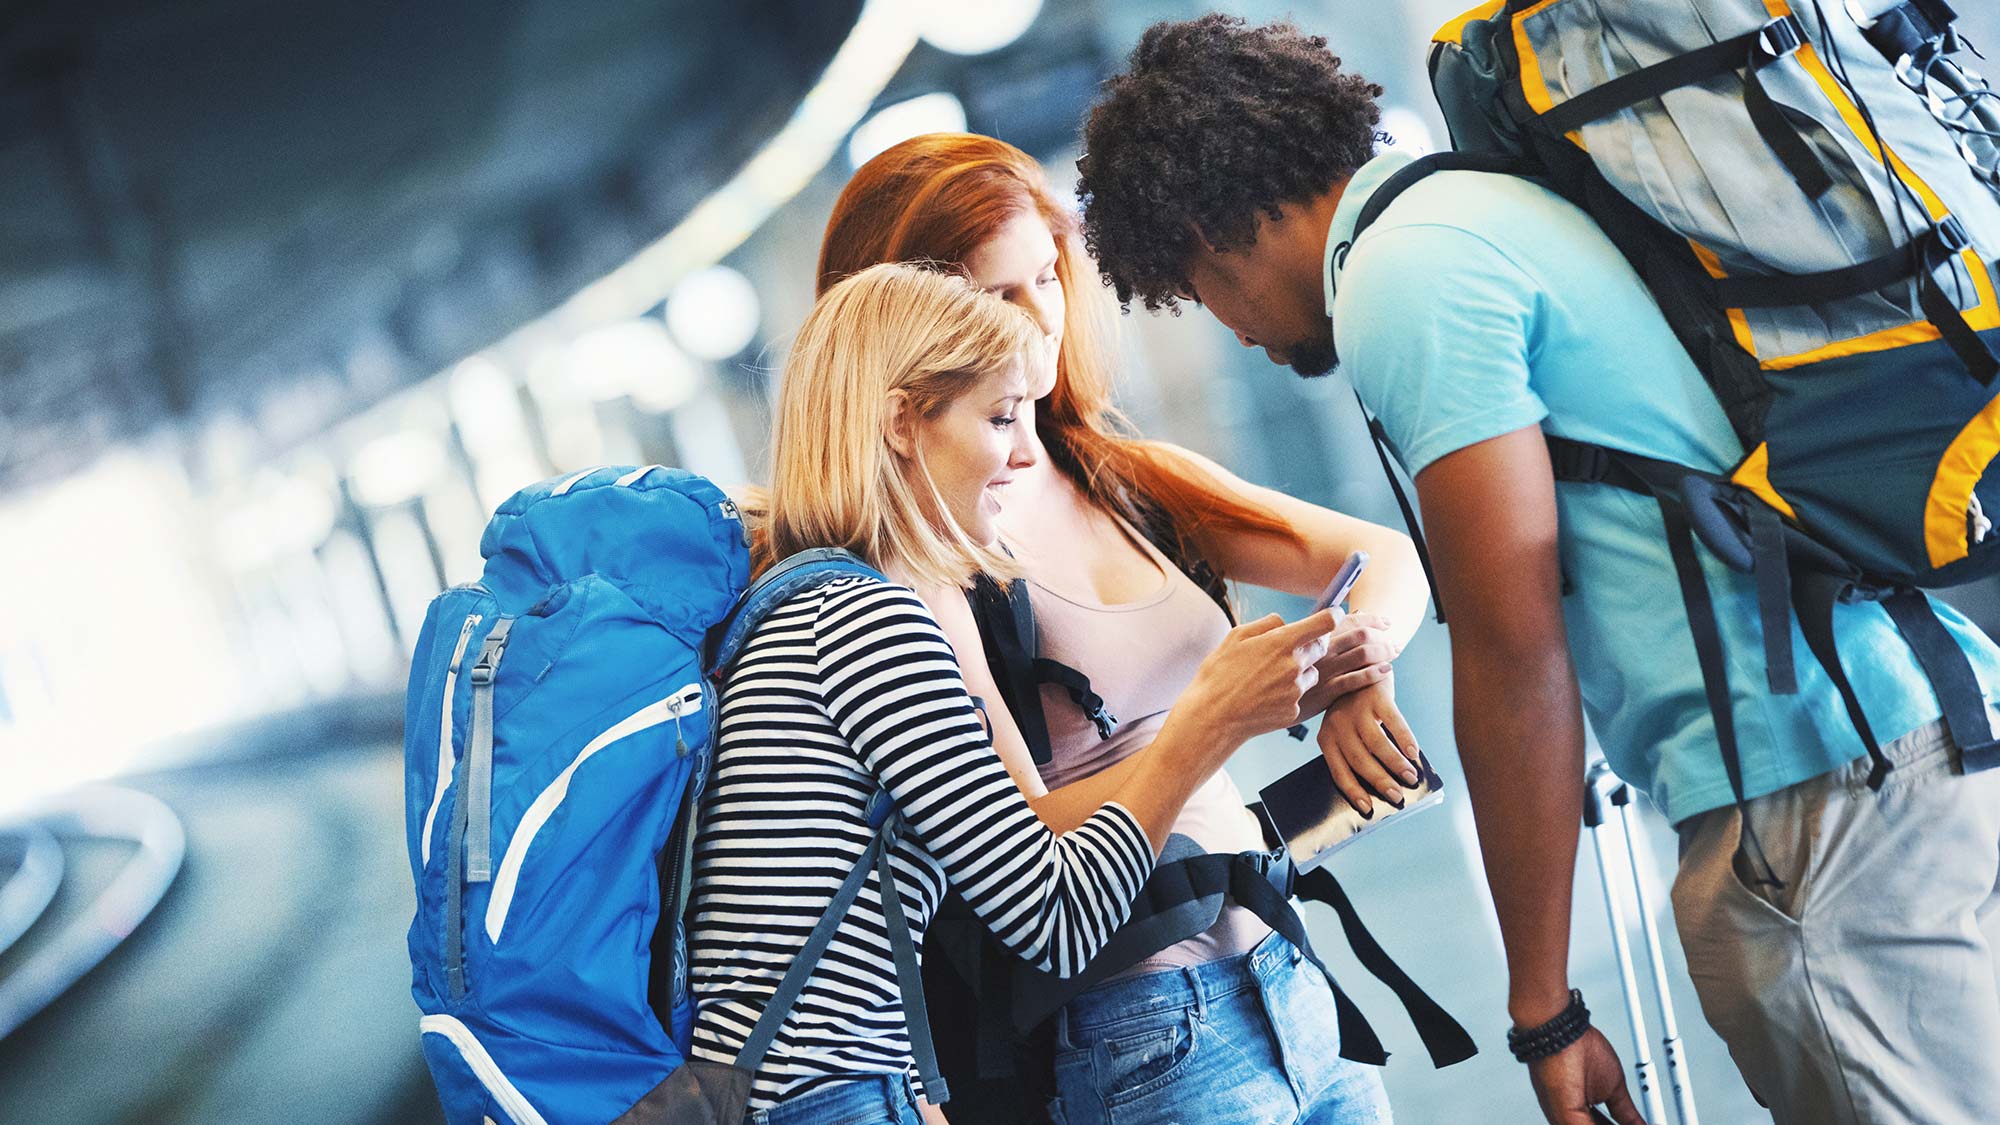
[{"x": 1552, "y": 1037}]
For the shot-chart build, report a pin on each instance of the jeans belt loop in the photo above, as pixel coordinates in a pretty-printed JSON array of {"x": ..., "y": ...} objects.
[{"x": 1200, "y": 989}]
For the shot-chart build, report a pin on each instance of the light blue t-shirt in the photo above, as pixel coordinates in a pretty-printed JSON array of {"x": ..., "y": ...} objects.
[{"x": 1479, "y": 304}]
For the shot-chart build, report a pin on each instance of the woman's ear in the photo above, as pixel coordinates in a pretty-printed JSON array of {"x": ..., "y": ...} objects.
[{"x": 900, "y": 426}]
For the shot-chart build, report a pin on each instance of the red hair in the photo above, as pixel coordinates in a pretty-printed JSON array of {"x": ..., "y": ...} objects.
[{"x": 938, "y": 197}]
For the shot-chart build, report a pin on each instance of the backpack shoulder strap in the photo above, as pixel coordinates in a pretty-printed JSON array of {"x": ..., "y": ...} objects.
[
  {"x": 1006, "y": 624},
  {"x": 1424, "y": 167},
  {"x": 886, "y": 826},
  {"x": 1006, "y": 620},
  {"x": 803, "y": 571},
  {"x": 1392, "y": 188},
  {"x": 1185, "y": 895}
]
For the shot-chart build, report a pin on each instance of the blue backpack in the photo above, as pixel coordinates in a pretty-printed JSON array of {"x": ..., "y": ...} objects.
[{"x": 558, "y": 731}]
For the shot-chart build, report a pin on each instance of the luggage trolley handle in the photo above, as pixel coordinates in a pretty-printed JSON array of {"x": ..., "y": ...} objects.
[{"x": 1606, "y": 798}]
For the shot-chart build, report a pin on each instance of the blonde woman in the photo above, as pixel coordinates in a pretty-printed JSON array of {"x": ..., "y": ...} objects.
[{"x": 900, "y": 423}]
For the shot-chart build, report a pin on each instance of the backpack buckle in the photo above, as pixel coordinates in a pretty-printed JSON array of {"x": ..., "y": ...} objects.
[
  {"x": 1781, "y": 37},
  {"x": 1951, "y": 234}
]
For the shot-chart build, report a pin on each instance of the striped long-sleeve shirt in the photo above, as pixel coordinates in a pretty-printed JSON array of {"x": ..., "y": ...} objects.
[{"x": 842, "y": 689}]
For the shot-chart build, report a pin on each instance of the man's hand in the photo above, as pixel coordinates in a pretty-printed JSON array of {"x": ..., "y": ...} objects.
[
  {"x": 1368, "y": 746},
  {"x": 1571, "y": 1083}
]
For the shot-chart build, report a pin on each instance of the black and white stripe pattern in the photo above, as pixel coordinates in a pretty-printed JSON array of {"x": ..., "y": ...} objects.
[{"x": 839, "y": 687}]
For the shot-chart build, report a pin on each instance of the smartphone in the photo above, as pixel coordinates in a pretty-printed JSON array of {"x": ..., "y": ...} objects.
[{"x": 1343, "y": 581}]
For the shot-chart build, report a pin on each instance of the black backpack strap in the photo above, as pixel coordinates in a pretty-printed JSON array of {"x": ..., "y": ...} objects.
[
  {"x": 1379, "y": 437},
  {"x": 1814, "y": 595},
  {"x": 1422, "y": 167},
  {"x": 1444, "y": 1037},
  {"x": 1390, "y": 189},
  {"x": 1793, "y": 573},
  {"x": 1750, "y": 53},
  {"x": 1006, "y": 624},
  {"x": 1006, "y": 620},
  {"x": 1918, "y": 260},
  {"x": 1077, "y": 685},
  {"x": 1185, "y": 896},
  {"x": 1771, "y": 569},
  {"x": 1951, "y": 676},
  {"x": 1583, "y": 463}
]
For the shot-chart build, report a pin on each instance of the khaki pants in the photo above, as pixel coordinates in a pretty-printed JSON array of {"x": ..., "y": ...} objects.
[{"x": 1866, "y": 989}]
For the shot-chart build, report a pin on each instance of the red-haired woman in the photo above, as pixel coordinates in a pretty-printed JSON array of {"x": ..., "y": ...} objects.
[{"x": 1229, "y": 1020}]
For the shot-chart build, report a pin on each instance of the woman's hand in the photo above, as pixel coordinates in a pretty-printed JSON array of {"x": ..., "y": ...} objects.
[
  {"x": 1366, "y": 741},
  {"x": 1358, "y": 656},
  {"x": 1253, "y": 682}
]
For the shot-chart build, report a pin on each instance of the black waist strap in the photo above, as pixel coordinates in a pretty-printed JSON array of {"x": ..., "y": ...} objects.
[{"x": 1184, "y": 898}]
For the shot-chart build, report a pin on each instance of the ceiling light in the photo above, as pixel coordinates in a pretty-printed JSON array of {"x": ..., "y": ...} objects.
[
  {"x": 891, "y": 125},
  {"x": 974, "y": 27},
  {"x": 714, "y": 313}
]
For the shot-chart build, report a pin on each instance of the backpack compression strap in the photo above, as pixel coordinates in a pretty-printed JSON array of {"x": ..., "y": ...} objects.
[
  {"x": 1918, "y": 260},
  {"x": 469, "y": 841}
]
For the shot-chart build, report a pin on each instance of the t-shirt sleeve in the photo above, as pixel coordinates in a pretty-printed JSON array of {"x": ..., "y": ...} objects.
[
  {"x": 1437, "y": 331},
  {"x": 892, "y": 687}
]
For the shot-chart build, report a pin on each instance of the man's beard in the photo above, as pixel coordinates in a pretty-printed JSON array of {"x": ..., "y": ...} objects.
[{"x": 1315, "y": 357}]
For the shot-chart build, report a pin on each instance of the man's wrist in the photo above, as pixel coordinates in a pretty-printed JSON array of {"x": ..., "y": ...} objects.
[
  {"x": 1556, "y": 1035},
  {"x": 1537, "y": 1007}
]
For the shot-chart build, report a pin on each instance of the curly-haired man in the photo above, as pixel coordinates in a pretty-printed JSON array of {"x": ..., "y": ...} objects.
[{"x": 1227, "y": 168}]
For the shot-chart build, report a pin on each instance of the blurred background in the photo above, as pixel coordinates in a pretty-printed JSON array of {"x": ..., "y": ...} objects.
[{"x": 293, "y": 295}]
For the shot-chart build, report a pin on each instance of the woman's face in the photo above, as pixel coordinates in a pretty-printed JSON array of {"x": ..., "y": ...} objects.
[
  {"x": 973, "y": 447},
  {"x": 1019, "y": 265}
]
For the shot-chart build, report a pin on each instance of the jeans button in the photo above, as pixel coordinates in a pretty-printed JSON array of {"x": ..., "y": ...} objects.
[{"x": 1297, "y": 956}]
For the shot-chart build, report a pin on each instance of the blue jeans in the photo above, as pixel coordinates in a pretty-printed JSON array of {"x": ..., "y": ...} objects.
[
  {"x": 1249, "y": 1038},
  {"x": 877, "y": 1099}
]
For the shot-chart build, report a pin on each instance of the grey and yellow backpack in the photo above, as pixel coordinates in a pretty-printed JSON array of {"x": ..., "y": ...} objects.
[{"x": 1812, "y": 194}]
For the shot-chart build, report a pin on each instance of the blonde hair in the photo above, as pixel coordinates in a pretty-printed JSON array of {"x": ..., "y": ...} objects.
[{"x": 886, "y": 332}]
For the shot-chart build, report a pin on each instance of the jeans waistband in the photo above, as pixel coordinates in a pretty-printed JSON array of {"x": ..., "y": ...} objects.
[
  {"x": 1171, "y": 989},
  {"x": 840, "y": 1101}
]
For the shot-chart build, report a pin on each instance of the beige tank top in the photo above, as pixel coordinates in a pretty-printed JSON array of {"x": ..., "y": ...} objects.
[{"x": 1139, "y": 657}]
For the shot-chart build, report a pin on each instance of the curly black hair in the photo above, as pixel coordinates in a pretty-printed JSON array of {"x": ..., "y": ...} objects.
[{"x": 1214, "y": 122}]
